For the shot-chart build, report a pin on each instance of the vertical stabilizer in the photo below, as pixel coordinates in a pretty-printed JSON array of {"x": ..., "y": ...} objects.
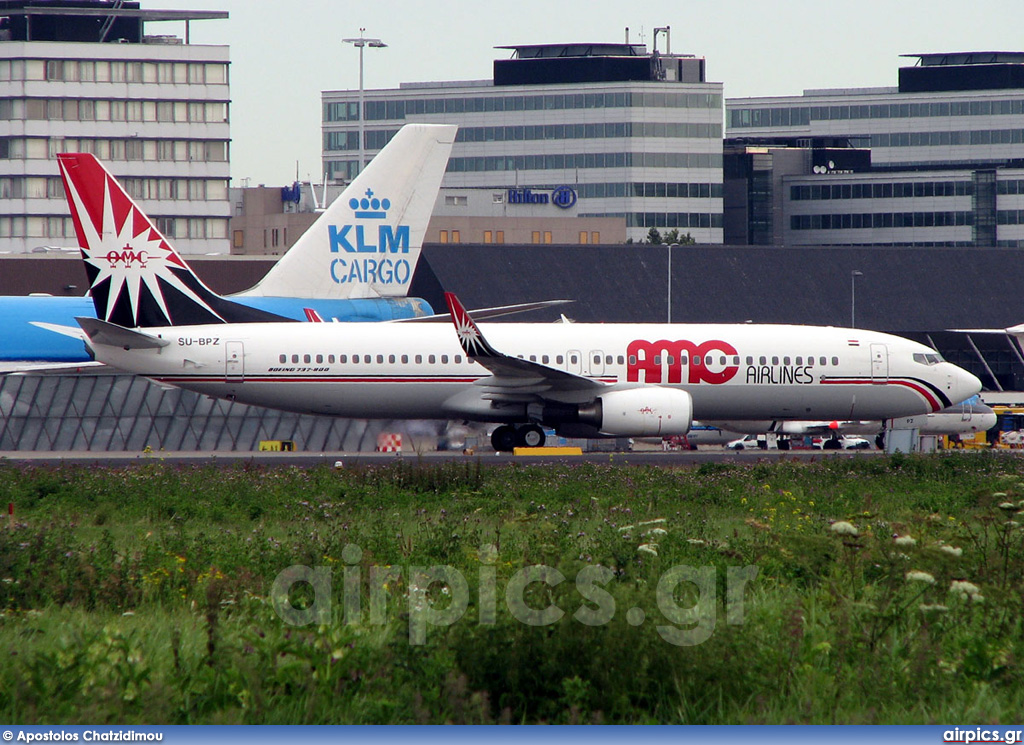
[
  {"x": 135, "y": 277},
  {"x": 367, "y": 242}
]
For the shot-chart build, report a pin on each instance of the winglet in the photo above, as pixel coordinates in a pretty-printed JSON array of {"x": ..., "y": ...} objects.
[{"x": 470, "y": 337}]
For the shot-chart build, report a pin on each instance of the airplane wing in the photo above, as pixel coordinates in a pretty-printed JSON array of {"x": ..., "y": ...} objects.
[
  {"x": 483, "y": 313},
  {"x": 512, "y": 378}
]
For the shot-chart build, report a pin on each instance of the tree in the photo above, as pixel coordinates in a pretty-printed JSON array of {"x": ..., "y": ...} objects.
[{"x": 654, "y": 237}]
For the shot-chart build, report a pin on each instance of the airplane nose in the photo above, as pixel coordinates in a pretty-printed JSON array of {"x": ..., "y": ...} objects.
[{"x": 962, "y": 384}]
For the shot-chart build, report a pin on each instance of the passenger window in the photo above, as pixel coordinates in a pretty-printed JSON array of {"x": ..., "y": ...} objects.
[
  {"x": 670, "y": 359},
  {"x": 657, "y": 359},
  {"x": 319, "y": 359},
  {"x": 444, "y": 359},
  {"x": 343, "y": 358},
  {"x": 419, "y": 359},
  {"x": 380, "y": 359},
  {"x": 405, "y": 359},
  {"x": 559, "y": 360},
  {"x": 775, "y": 360},
  {"x": 764, "y": 361},
  {"x": 533, "y": 358},
  {"x": 799, "y": 360},
  {"x": 367, "y": 359},
  {"x": 391, "y": 359},
  {"x": 750, "y": 360},
  {"x": 785, "y": 360},
  {"x": 810, "y": 362},
  {"x": 574, "y": 359},
  {"x": 621, "y": 360},
  {"x": 736, "y": 359},
  {"x": 306, "y": 359},
  {"x": 283, "y": 358},
  {"x": 544, "y": 359},
  {"x": 597, "y": 359},
  {"x": 295, "y": 358},
  {"x": 432, "y": 359},
  {"x": 696, "y": 360},
  {"x": 632, "y": 359},
  {"x": 330, "y": 359},
  {"x": 822, "y": 361},
  {"x": 835, "y": 362},
  {"x": 458, "y": 359},
  {"x": 724, "y": 361}
]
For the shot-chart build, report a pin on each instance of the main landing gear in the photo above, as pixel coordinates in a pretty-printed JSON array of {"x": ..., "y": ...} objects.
[{"x": 507, "y": 437}]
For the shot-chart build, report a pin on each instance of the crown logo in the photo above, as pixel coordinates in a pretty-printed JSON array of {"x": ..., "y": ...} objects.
[{"x": 370, "y": 206}]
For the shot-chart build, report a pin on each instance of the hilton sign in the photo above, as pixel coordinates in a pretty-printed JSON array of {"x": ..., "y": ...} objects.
[{"x": 562, "y": 197}]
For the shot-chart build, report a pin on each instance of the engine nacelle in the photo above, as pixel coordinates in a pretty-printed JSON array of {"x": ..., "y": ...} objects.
[{"x": 651, "y": 411}]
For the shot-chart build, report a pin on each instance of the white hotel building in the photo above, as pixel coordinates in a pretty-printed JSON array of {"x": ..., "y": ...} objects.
[{"x": 83, "y": 77}]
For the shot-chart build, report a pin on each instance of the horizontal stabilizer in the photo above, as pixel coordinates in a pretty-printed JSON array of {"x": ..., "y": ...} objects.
[
  {"x": 112, "y": 335},
  {"x": 73, "y": 331}
]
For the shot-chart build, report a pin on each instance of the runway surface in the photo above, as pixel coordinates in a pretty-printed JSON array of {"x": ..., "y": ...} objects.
[{"x": 679, "y": 459}]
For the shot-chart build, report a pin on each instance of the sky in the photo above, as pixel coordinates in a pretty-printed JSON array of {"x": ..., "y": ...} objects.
[{"x": 283, "y": 54}]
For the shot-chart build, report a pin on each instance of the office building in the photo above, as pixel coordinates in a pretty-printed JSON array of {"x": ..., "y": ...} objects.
[
  {"x": 946, "y": 148},
  {"x": 83, "y": 76},
  {"x": 635, "y": 135}
]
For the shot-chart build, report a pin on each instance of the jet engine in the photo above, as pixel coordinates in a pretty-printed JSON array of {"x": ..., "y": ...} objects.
[{"x": 640, "y": 412}]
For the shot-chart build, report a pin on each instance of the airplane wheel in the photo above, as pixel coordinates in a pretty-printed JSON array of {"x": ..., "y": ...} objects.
[
  {"x": 783, "y": 444},
  {"x": 503, "y": 439},
  {"x": 530, "y": 436},
  {"x": 880, "y": 441}
]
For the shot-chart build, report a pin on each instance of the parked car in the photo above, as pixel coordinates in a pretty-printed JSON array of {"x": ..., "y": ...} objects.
[
  {"x": 843, "y": 442},
  {"x": 748, "y": 442}
]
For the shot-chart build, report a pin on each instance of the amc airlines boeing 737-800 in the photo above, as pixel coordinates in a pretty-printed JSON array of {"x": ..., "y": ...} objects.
[
  {"x": 582, "y": 379},
  {"x": 354, "y": 263}
]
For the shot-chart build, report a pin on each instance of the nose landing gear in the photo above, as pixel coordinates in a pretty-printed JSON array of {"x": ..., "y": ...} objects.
[{"x": 508, "y": 437}]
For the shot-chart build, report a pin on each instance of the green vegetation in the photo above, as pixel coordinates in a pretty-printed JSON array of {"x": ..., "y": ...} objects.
[{"x": 886, "y": 590}]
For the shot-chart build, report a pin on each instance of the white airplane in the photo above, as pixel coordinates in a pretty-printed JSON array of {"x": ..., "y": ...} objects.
[
  {"x": 581, "y": 379},
  {"x": 964, "y": 418}
]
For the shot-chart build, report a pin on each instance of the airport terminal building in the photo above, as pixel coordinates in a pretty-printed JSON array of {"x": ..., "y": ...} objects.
[
  {"x": 945, "y": 163},
  {"x": 635, "y": 135}
]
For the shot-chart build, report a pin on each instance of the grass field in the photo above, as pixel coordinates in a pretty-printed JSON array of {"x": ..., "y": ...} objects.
[{"x": 843, "y": 590}]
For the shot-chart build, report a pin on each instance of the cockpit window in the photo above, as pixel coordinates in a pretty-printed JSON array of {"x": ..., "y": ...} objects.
[{"x": 931, "y": 358}]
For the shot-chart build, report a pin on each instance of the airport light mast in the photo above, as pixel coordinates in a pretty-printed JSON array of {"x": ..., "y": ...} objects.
[{"x": 361, "y": 43}]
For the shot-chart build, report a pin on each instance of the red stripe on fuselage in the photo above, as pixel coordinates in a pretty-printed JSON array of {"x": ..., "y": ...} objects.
[{"x": 926, "y": 394}]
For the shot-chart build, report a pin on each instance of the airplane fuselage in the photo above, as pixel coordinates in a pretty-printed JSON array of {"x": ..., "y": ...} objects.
[{"x": 420, "y": 371}]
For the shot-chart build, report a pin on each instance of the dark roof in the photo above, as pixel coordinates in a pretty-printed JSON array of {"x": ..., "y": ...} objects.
[{"x": 899, "y": 290}]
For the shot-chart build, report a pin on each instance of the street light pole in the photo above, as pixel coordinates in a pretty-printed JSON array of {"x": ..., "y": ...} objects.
[
  {"x": 853, "y": 297},
  {"x": 361, "y": 43},
  {"x": 669, "y": 283}
]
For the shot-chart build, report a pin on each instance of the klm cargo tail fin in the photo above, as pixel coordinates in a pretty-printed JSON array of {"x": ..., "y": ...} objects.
[
  {"x": 136, "y": 278},
  {"x": 366, "y": 244}
]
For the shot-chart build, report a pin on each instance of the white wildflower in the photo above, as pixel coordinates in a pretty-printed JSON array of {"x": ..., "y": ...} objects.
[
  {"x": 936, "y": 608},
  {"x": 695, "y": 541},
  {"x": 656, "y": 532},
  {"x": 648, "y": 548},
  {"x": 964, "y": 589},
  {"x": 844, "y": 528},
  {"x": 1009, "y": 507},
  {"x": 917, "y": 576},
  {"x": 905, "y": 541},
  {"x": 951, "y": 550},
  {"x": 624, "y": 528},
  {"x": 656, "y": 521}
]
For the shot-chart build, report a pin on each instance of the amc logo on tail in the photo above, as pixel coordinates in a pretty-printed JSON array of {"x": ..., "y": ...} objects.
[
  {"x": 652, "y": 357},
  {"x": 368, "y": 238},
  {"x": 127, "y": 257}
]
